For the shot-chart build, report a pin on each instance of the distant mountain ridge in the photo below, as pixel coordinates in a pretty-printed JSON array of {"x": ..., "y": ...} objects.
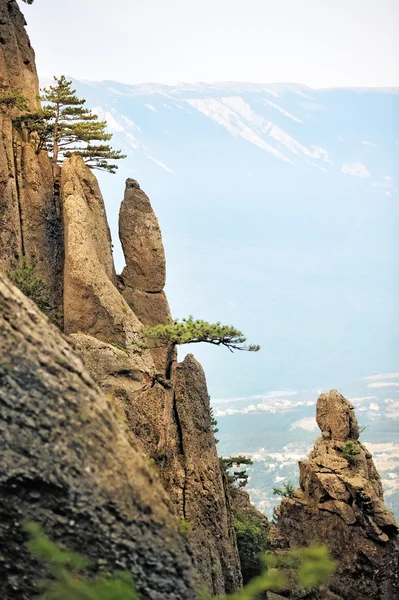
[{"x": 146, "y": 87}]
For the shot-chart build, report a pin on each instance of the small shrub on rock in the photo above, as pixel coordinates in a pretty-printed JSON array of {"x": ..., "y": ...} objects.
[
  {"x": 23, "y": 274},
  {"x": 287, "y": 491},
  {"x": 251, "y": 542},
  {"x": 350, "y": 452}
]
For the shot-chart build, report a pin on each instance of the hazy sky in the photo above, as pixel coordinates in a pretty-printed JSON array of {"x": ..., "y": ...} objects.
[{"x": 320, "y": 43}]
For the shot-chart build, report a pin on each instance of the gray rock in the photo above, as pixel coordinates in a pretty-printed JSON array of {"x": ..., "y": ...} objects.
[{"x": 67, "y": 465}]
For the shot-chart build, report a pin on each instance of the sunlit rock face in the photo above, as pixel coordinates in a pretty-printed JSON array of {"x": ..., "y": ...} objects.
[
  {"x": 143, "y": 278},
  {"x": 30, "y": 218},
  {"x": 340, "y": 503}
]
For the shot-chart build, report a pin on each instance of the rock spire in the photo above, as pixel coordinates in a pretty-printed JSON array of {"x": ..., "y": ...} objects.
[{"x": 340, "y": 503}]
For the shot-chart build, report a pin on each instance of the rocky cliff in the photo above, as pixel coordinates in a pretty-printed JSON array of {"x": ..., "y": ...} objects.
[
  {"x": 340, "y": 503},
  {"x": 67, "y": 465},
  {"x": 58, "y": 221},
  {"x": 168, "y": 420},
  {"x": 109, "y": 455},
  {"x": 30, "y": 216}
]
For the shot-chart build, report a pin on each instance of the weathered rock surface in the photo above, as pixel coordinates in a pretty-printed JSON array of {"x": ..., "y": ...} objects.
[
  {"x": 68, "y": 460},
  {"x": 92, "y": 303},
  {"x": 169, "y": 422},
  {"x": 242, "y": 504},
  {"x": 340, "y": 503},
  {"x": 17, "y": 58},
  {"x": 141, "y": 241},
  {"x": 336, "y": 417},
  {"x": 202, "y": 499},
  {"x": 173, "y": 427},
  {"x": 30, "y": 221},
  {"x": 143, "y": 279},
  {"x": 66, "y": 464},
  {"x": 151, "y": 309}
]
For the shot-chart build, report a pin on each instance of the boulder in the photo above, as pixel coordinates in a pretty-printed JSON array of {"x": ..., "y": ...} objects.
[
  {"x": 142, "y": 280},
  {"x": 335, "y": 416}
]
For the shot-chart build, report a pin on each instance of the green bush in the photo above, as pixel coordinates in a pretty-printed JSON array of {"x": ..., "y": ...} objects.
[
  {"x": 23, "y": 275},
  {"x": 252, "y": 542},
  {"x": 214, "y": 424},
  {"x": 304, "y": 568},
  {"x": 184, "y": 526},
  {"x": 14, "y": 101},
  {"x": 350, "y": 451}
]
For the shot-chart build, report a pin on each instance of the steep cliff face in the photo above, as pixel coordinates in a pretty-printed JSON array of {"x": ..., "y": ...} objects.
[
  {"x": 67, "y": 465},
  {"x": 30, "y": 220},
  {"x": 340, "y": 503},
  {"x": 199, "y": 495},
  {"x": 169, "y": 421},
  {"x": 92, "y": 304}
]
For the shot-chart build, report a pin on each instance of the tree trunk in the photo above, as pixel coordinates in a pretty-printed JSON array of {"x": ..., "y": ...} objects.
[
  {"x": 169, "y": 360},
  {"x": 55, "y": 142}
]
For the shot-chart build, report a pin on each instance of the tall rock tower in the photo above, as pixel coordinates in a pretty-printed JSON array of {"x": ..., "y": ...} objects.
[
  {"x": 340, "y": 503},
  {"x": 30, "y": 214}
]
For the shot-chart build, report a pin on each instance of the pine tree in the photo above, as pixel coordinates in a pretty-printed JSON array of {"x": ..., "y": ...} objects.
[
  {"x": 194, "y": 331},
  {"x": 234, "y": 462},
  {"x": 69, "y": 128}
]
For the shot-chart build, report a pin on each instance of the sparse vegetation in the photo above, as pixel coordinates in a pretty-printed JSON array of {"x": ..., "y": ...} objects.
[
  {"x": 118, "y": 347},
  {"x": 194, "y": 331},
  {"x": 23, "y": 274},
  {"x": 214, "y": 424},
  {"x": 18, "y": 101},
  {"x": 287, "y": 491},
  {"x": 64, "y": 127},
  {"x": 350, "y": 452},
  {"x": 68, "y": 578},
  {"x": 304, "y": 568},
  {"x": 252, "y": 542},
  {"x": 69, "y": 128},
  {"x": 184, "y": 527},
  {"x": 237, "y": 476}
]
